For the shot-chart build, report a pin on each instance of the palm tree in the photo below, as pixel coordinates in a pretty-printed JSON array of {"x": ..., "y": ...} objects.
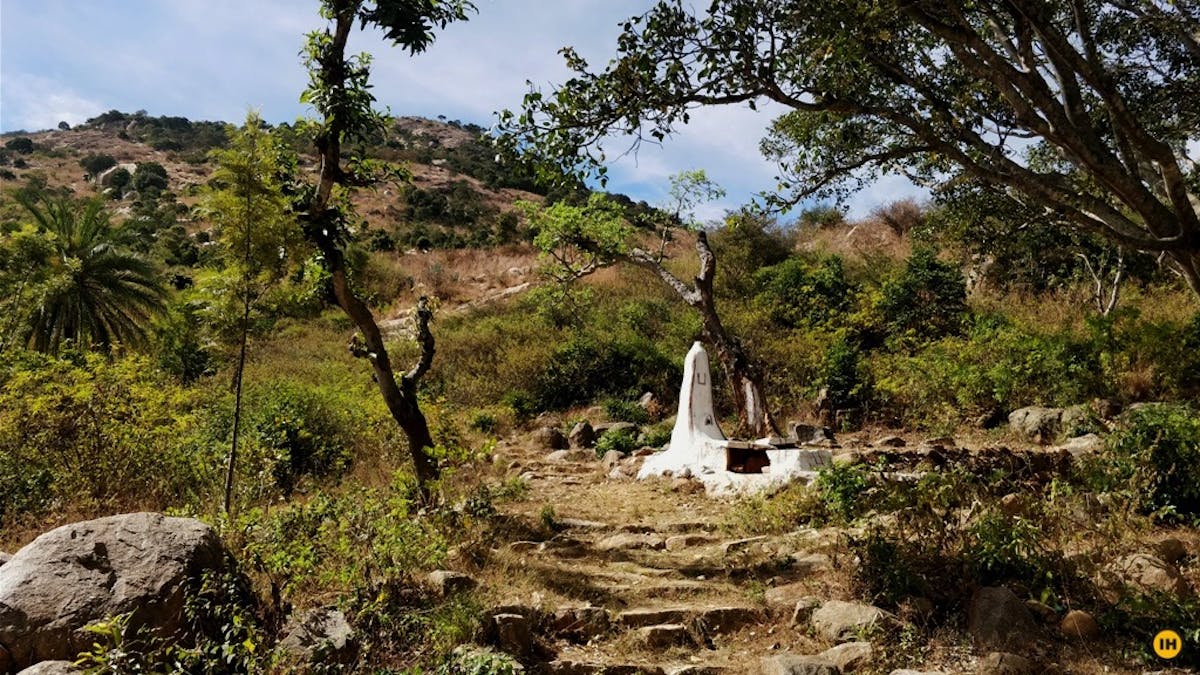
[{"x": 97, "y": 294}]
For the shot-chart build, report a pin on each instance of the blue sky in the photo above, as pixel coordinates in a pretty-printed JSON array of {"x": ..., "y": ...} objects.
[{"x": 215, "y": 59}]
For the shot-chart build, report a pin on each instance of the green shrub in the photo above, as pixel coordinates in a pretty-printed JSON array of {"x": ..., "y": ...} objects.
[
  {"x": 927, "y": 300},
  {"x": 625, "y": 411},
  {"x": 623, "y": 441},
  {"x": 586, "y": 368},
  {"x": 95, "y": 164},
  {"x": 797, "y": 293},
  {"x": 1157, "y": 454},
  {"x": 302, "y": 434},
  {"x": 21, "y": 145},
  {"x": 843, "y": 375},
  {"x": 149, "y": 175},
  {"x": 842, "y": 487}
]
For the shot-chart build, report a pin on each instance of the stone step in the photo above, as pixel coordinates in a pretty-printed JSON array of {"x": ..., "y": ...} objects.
[
  {"x": 711, "y": 620},
  {"x": 579, "y": 667}
]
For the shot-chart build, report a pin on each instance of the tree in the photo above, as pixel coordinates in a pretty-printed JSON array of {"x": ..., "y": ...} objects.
[
  {"x": 579, "y": 240},
  {"x": 1080, "y": 110},
  {"x": 251, "y": 215},
  {"x": 340, "y": 91},
  {"x": 95, "y": 292}
]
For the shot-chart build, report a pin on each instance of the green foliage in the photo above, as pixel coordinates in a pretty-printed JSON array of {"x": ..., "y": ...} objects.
[
  {"x": 475, "y": 661},
  {"x": 625, "y": 411},
  {"x": 84, "y": 431},
  {"x": 119, "y": 181},
  {"x": 800, "y": 293},
  {"x": 93, "y": 292},
  {"x": 744, "y": 244},
  {"x": 302, "y": 434},
  {"x": 1002, "y": 547},
  {"x": 623, "y": 441},
  {"x": 96, "y": 163},
  {"x": 149, "y": 176},
  {"x": 585, "y": 368},
  {"x": 842, "y": 487},
  {"x": 20, "y": 145},
  {"x": 822, "y": 217},
  {"x": 179, "y": 343},
  {"x": 575, "y": 240},
  {"x": 1156, "y": 455},
  {"x": 927, "y": 300}
]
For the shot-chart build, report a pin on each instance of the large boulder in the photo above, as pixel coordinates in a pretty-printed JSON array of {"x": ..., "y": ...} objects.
[
  {"x": 1145, "y": 572},
  {"x": 997, "y": 619},
  {"x": 1037, "y": 423},
  {"x": 839, "y": 621},
  {"x": 139, "y": 564},
  {"x": 320, "y": 635}
]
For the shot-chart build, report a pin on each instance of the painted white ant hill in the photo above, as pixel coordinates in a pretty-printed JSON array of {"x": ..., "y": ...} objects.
[{"x": 700, "y": 450}]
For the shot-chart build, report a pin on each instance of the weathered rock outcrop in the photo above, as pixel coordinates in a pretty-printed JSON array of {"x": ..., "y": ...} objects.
[{"x": 138, "y": 563}]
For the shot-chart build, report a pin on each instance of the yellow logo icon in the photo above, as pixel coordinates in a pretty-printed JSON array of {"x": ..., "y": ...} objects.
[{"x": 1168, "y": 644}]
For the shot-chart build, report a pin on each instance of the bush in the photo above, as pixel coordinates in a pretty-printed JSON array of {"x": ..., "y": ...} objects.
[
  {"x": 798, "y": 293},
  {"x": 842, "y": 487},
  {"x": 95, "y": 164},
  {"x": 302, "y": 433},
  {"x": 625, "y": 411},
  {"x": 20, "y": 145},
  {"x": 843, "y": 376},
  {"x": 585, "y": 368},
  {"x": 621, "y": 440},
  {"x": 1157, "y": 455},
  {"x": 149, "y": 175},
  {"x": 927, "y": 300}
]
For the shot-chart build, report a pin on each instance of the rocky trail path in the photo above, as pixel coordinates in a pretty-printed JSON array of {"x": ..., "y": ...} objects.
[{"x": 650, "y": 577}]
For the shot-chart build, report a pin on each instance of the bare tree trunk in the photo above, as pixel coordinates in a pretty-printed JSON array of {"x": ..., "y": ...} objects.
[
  {"x": 744, "y": 378},
  {"x": 323, "y": 225}
]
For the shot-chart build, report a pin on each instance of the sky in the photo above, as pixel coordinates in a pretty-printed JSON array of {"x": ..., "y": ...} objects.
[{"x": 68, "y": 60}]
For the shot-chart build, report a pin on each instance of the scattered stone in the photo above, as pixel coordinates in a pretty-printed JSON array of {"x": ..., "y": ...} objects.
[
  {"x": 1042, "y": 612},
  {"x": 997, "y": 619},
  {"x": 1082, "y": 446},
  {"x": 940, "y": 442},
  {"x": 741, "y": 544},
  {"x": 680, "y": 542},
  {"x": 570, "y": 456},
  {"x": 76, "y": 574},
  {"x": 687, "y": 486},
  {"x": 53, "y": 668},
  {"x": 889, "y": 442},
  {"x": 1171, "y": 550},
  {"x": 322, "y": 634},
  {"x": 639, "y": 618},
  {"x": 839, "y": 621},
  {"x": 523, "y": 546},
  {"x": 1003, "y": 663},
  {"x": 1037, "y": 423},
  {"x": 611, "y": 460},
  {"x": 803, "y": 610},
  {"x": 581, "y": 623},
  {"x": 1080, "y": 625},
  {"x": 664, "y": 636},
  {"x": 780, "y": 598},
  {"x": 448, "y": 582},
  {"x": 625, "y": 541},
  {"x": 716, "y": 620},
  {"x": 849, "y": 656},
  {"x": 514, "y": 634},
  {"x": 551, "y": 438},
  {"x": 808, "y": 433},
  {"x": 792, "y": 664},
  {"x": 616, "y": 427},
  {"x": 1150, "y": 573},
  {"x": 906, "y": 671},
  {"x": 811, "y": 563},
  {"x": 1012, "y": 504},
  {"x": 581, "y": 524},
  {"x": 582, "y": 435}
]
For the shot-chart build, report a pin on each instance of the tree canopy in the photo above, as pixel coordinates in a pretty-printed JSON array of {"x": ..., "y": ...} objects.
[{"x": 1082, "y": 109}]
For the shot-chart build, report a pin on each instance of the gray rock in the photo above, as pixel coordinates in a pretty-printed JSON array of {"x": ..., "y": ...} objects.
[
  {"x": 1037, "y": 423},
  {"x": 793, "y": 664},
  {"x": 139, "y": 563},
  {"x": 1148, "y": 573},
  {"x": 616, "y": 427},
  {"x": 680, "y": 542},
  {"x": 889, "y": 442},
  {"x": 581, "y": 623},
  {"x": 803, "y": 610},
  {"x": 448, "y": 582},
  {"x": 611, "y": 459},
  {"x": 571, "y": 456},
  {"x": 639, "y": 618},
  {"x": 715, "y": 620},
  {"x": 53, "y": 668},
  {"x": 849, "y": 656},
  {"x": 514, "y": 634},
  {"x": 647, "y": 402},
  {"x": 737, "y": 545},
  {"x": 664, "y": 636},
  {"x": 1082, "y": 446},
  {"x": 998, "y": 619},
  {"x": 322, "y": 633},
  {"x": 582, "y": 435},
  {"x": 1003, "y": 663},
  {"x": 839, "y": 621},
  {"x": 628, "y": 540},
  {"x": 808, "y": 433},
  {"x": 551, "y": 439}
]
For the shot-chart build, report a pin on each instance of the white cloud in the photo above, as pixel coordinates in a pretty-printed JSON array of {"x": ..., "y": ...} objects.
[{"x": 34, "y": 103}]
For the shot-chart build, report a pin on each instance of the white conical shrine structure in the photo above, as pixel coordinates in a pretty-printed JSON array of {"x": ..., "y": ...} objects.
[{"x": 699, "y": 449}]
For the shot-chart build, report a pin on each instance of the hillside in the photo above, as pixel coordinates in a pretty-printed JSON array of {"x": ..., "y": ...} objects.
[{"x": 1010, "y": 485}]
